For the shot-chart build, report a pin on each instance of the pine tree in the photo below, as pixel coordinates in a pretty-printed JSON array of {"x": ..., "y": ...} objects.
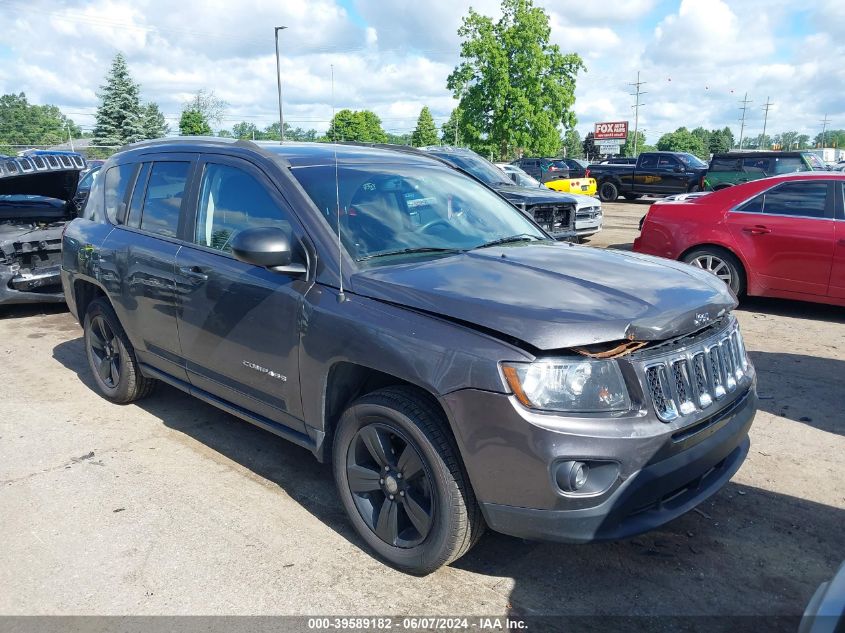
[
  {"x": 118, "y": 118},
  {"x": 425, "y": 132},
  {"x": 153, "y": 121}
]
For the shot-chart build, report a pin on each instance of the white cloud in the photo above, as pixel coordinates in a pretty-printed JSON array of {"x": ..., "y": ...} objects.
[{"x": 699, "y": 57}]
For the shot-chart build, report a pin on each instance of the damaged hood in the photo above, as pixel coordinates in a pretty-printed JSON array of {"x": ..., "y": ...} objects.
[
  {"x": 45, "y": 174},
  {"x": 554, "y": 296}
]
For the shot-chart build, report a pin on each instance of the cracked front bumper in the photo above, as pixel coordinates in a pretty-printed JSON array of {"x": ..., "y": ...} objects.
[{"x": 41, "y": 286}]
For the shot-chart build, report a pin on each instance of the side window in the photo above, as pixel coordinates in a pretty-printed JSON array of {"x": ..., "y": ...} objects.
[
  {"x": 725, "y": 164},
  {"x": 116, "y": 184},
  {"x": 807, "y": 199},
  {"x": 667, "y": 162},
  {"x": 232, "y": 200},
  {"x": 137, "y": 200},
  {"x": 163, "y": 200},
  {"x": 756, "y": 166},
  {"x": 94, "y": 206},
  {"x": 789, "y": 164},
  {"x": 649, "y": 162}
]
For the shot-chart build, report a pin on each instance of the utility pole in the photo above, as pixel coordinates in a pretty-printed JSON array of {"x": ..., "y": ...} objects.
[
  {"x": 744, "y": 108},
  {"x": 279, "y": 82},
  {"x": 766, "y": 107},
  {"x": 637, "y": 105},
  {"x": 824, "y": 123},
  {"x": 69, "y": 136}
]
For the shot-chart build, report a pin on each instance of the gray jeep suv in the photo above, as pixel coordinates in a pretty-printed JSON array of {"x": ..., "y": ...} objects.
[{"x": 457, "y": 366}]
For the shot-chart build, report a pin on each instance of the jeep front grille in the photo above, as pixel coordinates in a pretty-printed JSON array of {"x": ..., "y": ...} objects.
[{"x": 693, "y": 379}]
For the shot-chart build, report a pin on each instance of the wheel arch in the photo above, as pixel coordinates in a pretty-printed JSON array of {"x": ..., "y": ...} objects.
[
  {"x": 347, "y": 381},
  {"x": 84, "y": 292},
  {"x": 722, "y": 247}
]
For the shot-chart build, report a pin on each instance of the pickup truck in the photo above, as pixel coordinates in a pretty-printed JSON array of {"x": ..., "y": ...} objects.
[{"x": 655, "y": 174}]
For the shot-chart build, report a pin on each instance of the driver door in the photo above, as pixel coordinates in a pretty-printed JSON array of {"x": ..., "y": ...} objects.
[{"x": 238, "y": 324}]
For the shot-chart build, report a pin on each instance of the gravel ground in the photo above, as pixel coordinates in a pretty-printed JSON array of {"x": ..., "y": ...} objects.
[{"x": 173, "y": 507}]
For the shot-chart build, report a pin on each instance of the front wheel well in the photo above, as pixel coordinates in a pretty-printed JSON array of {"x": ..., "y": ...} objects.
[{"x": 349, "y": 381}]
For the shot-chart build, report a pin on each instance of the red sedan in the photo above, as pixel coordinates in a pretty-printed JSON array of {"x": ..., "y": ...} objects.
[{"x": 777, "y": 237}]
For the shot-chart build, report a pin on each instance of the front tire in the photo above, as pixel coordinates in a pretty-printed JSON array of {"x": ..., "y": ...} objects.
[
  {"x": 608, "y": 192},
  {"x": 721, "y": 263},
  {"x": 400, "y": 479},
  {"x": 111, "y": 356}
]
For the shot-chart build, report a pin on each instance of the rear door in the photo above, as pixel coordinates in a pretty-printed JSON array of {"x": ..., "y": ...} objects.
[
  {"x": 238, "y": 323},
  {"x": 145, "y": 244},
  {"x": 646, "y": 177},
  {"x": 786, "y": 234},
  {"x": 837, "y": 275}
]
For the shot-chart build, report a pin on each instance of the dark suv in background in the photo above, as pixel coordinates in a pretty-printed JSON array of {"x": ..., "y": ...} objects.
[
  {"x": 457, "y": 366},
  {"x": 552, "y": 210}
]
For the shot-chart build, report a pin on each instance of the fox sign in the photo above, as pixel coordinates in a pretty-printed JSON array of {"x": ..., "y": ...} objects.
[{"x": 611, "y": 130}]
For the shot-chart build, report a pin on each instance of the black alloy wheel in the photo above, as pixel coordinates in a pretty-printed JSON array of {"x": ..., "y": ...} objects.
[
  {"x": 105, "y": 352},
  {"x": 111, "y": 357},
  {"x": 390, "y": 485},
  {"x": 401, "y": 480}
]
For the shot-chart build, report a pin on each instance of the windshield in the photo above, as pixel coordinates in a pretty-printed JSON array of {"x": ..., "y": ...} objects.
[
  {"x": 522, "y": 178},
  {"x": 815, "y": 162},
  {"x": 395, "y": 211},
  {"x": 691, "y": 161},
  {"x": 484, "y": 170}
]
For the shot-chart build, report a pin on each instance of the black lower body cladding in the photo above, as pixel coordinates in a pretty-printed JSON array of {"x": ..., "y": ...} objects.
[{"x": 644, "y": 481}]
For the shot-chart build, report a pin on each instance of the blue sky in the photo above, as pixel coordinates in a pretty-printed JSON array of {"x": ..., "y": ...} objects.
[{"x": 698, "y": 57}]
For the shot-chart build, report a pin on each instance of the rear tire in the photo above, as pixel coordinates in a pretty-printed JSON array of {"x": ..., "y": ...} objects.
[
  {"x": 111, "y": 356},
  {"x": 694, "y": 189},
  {"x": 608, "y": 192},
  {"x": 393, "y": 453},
  {"x": 721, "y": 263}
]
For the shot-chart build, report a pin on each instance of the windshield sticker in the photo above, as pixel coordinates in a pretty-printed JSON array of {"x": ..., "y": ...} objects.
[{"x": 420, "y": 202}]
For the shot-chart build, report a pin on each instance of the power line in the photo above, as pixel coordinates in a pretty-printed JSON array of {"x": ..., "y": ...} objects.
[
  {"x": 637, "y": 106},
  {"x": 766, "y": 107},
  {"x": 744, "y": 108},
  {"x": 824, "y": 123}
]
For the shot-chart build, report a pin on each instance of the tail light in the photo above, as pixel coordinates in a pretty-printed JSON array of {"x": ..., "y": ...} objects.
[
  {"x": 701, "y": 182},
  {"x": 587, "y": 173}
]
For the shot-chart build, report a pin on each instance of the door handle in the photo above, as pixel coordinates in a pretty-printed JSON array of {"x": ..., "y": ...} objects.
[
  {"x": 759, "y": 229},
  {"x": 194, "y": 272}
]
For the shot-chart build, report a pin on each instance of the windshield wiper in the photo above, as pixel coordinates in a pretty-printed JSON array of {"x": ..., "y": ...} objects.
[
  {"x": 522, "y": 237},
  {"x": 406, "y": 251}
]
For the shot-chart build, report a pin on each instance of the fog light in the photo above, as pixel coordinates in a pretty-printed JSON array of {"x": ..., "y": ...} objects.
[{"x": 572, "y": 476}]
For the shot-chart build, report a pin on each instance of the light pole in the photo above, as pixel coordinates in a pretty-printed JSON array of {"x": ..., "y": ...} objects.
[{"x": 279, "y": 83}]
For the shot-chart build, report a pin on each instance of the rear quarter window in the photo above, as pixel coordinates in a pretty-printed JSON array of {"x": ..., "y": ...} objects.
[
  {"x": 116, "y": 184},
  {"x": 726, "y": 164}
]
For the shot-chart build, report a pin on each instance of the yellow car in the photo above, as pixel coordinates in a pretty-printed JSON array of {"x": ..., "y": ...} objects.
[{"x": 584, "y": 186}]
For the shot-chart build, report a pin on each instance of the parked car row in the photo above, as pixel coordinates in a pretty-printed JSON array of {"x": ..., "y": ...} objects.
[{"x": 459, "y": 366}]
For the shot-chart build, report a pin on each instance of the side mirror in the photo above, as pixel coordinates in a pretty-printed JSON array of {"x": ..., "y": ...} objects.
[{"x": 268, "y": 247}]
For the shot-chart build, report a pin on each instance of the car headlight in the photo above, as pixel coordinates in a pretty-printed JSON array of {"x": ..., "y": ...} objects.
[{"x": 576, "y": 386}]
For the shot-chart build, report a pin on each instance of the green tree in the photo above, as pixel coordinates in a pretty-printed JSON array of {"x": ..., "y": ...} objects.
[
  {"x": 363, "y": 125},
  {"x": 721, "y": 141},
  {"x": 193, "y": 123},
  {"x": 399, "y": 139},
  {"x": 206, "y": 103},
  {"x": 225, "y": 134},
  {"x": 803, "y": 141},
  {"x": 152, "y": 120},
  {"x": 682, "y": 140},
  {"x": 119, "y": 119},
  {"x": 271, "y": 133},
  {"x": 426, "y": 132},
  {"x": 831, "y": 138},
  {"x": 450, "y": 132},
  {"x": 570, "y": 144},
  {"x": 515, "y": 88},
  {"x": 22, "y": 123},
  {"x": 627, "y": 148},
  {"x": 591, "y": 152},
  {"x": 245, "y": 130}
]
